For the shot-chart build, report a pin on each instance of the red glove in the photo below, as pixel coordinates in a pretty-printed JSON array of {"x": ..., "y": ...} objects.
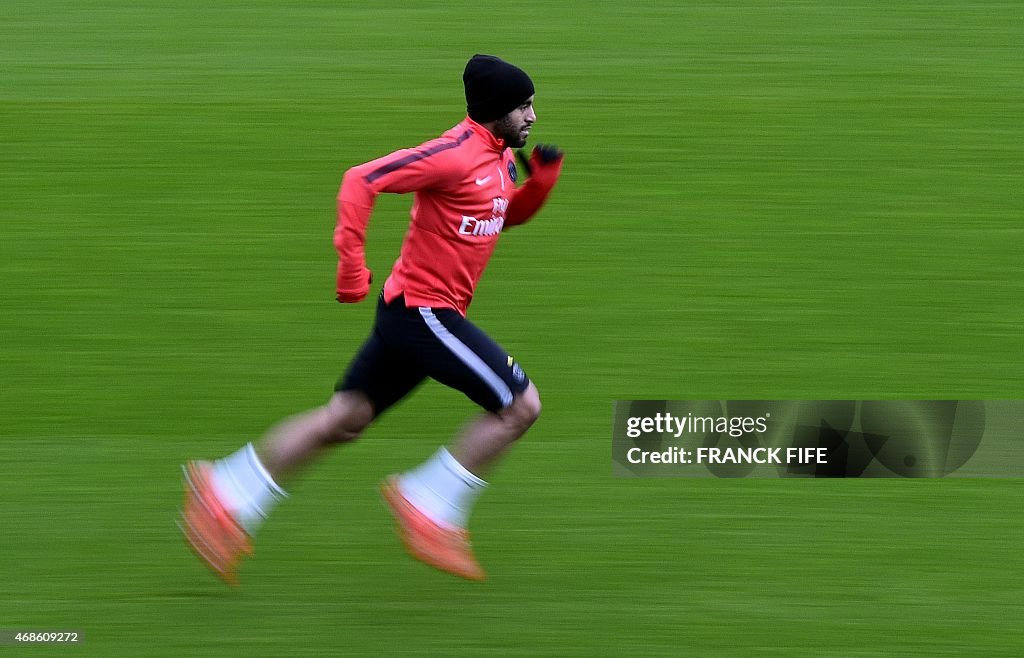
[
  {"x": 545, "y": 160},
  {"x": 543, "y": 168},
  {"x": 353, "y": 286}
]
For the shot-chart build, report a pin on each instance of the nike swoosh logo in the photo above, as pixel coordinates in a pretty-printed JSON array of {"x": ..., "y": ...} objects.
[{"x": 482, "y": 181}]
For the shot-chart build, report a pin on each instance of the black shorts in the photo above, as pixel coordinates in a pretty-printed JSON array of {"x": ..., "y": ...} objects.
[{"x": 410, "y": 344}]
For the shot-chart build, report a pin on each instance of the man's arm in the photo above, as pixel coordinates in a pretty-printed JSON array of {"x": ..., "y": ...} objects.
[
  {"x": 430, "y": 165},
  {"x": 544, "y": 168}
]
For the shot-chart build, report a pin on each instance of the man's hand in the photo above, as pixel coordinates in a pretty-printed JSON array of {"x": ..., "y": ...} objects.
[
  {"x": 547, "y": 153},
  {"x": 353, "y": 288},
  {"x": 543, "y": 154}
]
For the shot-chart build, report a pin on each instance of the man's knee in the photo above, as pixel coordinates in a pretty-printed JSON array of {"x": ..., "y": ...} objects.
[
  {"x": 347, "y": 415},
  {"x": 525, "y": 409}
]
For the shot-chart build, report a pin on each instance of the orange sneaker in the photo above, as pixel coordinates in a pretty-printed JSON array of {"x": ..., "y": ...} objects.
[
  {"x": 445, "y": 549},
  {"x": 211, "y": 532}
]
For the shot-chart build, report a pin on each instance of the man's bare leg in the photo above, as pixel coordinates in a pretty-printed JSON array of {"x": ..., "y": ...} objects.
[
  {"x": 432, "y": 502},
  {"x": 248, "y": 482},
  {"x": 486, "y": 438},
  {"x": 446, "y": 485},
  {"x": 226, "y": 500},
  {"x": 296, "y": 441}
]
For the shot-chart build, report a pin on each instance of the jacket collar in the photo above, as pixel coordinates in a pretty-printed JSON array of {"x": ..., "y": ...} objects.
[{"x": 490, "y": 141}]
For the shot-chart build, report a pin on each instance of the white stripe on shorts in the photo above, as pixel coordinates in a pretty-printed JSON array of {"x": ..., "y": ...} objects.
[{"x": 467, "y": 356}]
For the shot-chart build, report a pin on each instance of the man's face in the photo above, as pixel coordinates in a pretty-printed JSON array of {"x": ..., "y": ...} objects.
[{"x": 514, "y": 127}]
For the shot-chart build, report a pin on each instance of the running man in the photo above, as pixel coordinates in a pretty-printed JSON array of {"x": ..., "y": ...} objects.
[{"x": 465, "y": 195}]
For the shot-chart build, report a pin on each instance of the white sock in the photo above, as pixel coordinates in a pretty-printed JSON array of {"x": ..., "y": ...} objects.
[
  {"x": 245, "y": 488},
  {"x": 442, "y": 489}
]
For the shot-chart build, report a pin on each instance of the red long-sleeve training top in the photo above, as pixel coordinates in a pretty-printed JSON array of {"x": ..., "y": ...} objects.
[{"x": 465, "y": 195}]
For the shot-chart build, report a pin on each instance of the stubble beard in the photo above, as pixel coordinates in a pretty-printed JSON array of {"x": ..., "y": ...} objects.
[{"x": 511, "y": 133}]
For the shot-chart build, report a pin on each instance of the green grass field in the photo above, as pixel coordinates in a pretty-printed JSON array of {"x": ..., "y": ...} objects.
[{"x": 761, "y": 200}]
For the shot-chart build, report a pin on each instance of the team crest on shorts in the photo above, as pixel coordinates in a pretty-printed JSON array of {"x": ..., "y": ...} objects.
[
  {"x": 512, "y": 171},
  {"x": 517, "y": 372}
]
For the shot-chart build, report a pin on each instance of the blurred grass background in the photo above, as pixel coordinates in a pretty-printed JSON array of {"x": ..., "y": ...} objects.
[{"x": 761, "y": 200}]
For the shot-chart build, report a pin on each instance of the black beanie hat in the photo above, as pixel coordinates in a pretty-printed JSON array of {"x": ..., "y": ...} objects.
[{"x": 494, "y": 87}]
